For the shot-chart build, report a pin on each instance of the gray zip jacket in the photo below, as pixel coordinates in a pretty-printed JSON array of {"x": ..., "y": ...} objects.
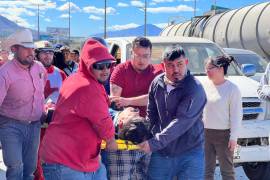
[
  {"x": 264, "y": 86},
  {"x": 176, "y": 117}
]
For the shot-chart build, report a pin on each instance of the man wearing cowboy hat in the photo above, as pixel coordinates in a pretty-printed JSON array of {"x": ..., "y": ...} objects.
[{"x": 21, "y": 106}]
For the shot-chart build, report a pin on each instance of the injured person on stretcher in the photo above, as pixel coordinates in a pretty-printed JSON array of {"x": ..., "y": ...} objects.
[{"x": 130, "y": 126}]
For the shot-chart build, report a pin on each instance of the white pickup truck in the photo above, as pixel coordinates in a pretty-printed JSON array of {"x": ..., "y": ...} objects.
[{"x": 254, "y": 151}]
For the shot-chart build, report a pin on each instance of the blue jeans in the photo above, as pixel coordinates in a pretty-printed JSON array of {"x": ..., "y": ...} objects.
[
  {"x": 188, "y": 166},
  {"x": 61, "y": 172},
  {"x": 20, "y": 143}
]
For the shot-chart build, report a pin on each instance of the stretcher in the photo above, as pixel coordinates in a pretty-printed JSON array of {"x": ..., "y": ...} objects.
[{"x": 122, "y": 145}]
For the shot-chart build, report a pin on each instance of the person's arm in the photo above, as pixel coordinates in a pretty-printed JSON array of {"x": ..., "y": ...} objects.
[
  {"x": 236, "y": 115},
  {"x": 115, "y": 90},
  {"x": 132, "y": 101},
  {"x": 188, "y": 113},
  {"x": 264, "y": 87},
  {"x": 3, "y": 88}
]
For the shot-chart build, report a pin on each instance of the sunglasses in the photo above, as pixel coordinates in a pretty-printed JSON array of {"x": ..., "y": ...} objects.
[
  {"x": 102, "y": 66},
  {"x": 50, "y": 52}
]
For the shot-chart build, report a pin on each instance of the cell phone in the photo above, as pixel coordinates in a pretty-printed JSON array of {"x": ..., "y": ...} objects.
[{"x": 49, "y": 116}]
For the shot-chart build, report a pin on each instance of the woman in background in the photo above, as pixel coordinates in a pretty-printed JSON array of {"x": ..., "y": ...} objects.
[{"x": 222, "y": 118}]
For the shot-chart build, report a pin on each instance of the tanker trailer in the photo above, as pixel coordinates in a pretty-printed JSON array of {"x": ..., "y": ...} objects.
[{"x": 244, "y": 28}]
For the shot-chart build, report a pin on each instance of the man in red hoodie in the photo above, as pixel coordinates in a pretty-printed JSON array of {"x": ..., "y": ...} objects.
[{"x": 71, "y": 145}]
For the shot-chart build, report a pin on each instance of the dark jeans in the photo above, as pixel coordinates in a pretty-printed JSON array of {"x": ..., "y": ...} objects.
[
  {"x": 61, "y": 172},
  {"x": 216, "y": 146},
  {"x": 187, "y": 166},
  {"x": 20, "y": 141}
]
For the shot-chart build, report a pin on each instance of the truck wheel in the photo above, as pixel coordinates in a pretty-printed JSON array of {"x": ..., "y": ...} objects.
[{"x": 257, "y": 170}]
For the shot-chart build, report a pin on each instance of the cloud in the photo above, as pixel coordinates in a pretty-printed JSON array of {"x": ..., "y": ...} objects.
[
  {"x": 177, "y": 9},
  {"x": 120, "y": 4},
  {"x": 16, "y": 10},
  {"x": 73, "y": 7},
  {"x": 95, "y": 18},
  {"x": 122, "y": 27},
  {"x": 161, "y": 25},
  {"x": 47, "y": 19},
  {"x": 30, "y": 4},
  {"x": 64, "y": 16},
  {"x": 152, "y": 3},
  {"x": 162, "y": 1},
  {"x": 137, "y": 3},
  {"x": 95, "y": 10}
]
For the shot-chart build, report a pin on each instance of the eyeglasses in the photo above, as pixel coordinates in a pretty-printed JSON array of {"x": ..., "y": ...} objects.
[
  {"x": 210, "y": 68},
  {"x": 144, "y": 56},
  {"x": 102, "y": 66}
]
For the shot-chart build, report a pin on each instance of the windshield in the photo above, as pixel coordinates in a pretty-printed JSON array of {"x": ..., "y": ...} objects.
[
  {"x": 259, "y": 62},
  {"x": 196, "y": 53}
]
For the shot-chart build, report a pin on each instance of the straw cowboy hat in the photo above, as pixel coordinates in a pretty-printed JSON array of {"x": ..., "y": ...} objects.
[
  {"x": 44, "y": 46},
  {"x": 22, "y": 37}
]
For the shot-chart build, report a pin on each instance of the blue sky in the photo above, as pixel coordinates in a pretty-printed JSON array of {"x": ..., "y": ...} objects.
[{"x": 87, "y": 16}]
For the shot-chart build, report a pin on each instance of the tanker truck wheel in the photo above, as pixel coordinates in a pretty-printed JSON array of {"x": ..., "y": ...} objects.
[{"x": 257, "y": 170}]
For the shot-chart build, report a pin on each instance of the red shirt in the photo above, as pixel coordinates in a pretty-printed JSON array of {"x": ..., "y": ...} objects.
[
  {"x": 81, "y": 118},
  {"x": 133, "y": 83}
]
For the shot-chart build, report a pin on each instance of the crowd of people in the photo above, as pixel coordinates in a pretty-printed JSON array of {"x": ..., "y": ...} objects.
[{"x": 56, "y": 110}]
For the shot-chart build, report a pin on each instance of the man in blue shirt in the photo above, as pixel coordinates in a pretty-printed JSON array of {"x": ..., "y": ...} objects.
[{"x": 175, "y": 107}]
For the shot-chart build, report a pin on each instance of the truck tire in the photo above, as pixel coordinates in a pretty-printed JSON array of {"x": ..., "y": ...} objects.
[{"x": 257, "y": 170}]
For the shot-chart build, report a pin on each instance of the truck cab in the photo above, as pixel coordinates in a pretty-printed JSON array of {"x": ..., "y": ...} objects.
[
  {"x": 254, "y": 150},
  {"x": 243, "y": 56}
]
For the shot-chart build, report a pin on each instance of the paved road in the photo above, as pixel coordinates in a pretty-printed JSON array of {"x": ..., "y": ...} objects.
[{"x": 240, "y": 175}]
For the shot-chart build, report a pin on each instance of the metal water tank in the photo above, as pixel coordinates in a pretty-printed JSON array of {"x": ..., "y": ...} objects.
[{"x": 247, "y": 28}]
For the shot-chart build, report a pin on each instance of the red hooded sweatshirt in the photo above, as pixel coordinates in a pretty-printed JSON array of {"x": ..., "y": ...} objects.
[{"x": 81, "y": 118}]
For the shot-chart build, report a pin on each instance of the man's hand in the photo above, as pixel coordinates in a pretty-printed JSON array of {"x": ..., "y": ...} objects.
[
  {"x": 144, "y": 146},
  {"x": 266, "y": 90},
  {"x": 120, "y": 101},
  {"x": 232, "y": 145},
  {"x": 111, "y": 144}
]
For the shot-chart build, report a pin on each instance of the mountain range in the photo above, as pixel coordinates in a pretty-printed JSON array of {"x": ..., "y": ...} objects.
[
  {"x": 7, "y": 27},
  {"x": 152, "y": 30}
]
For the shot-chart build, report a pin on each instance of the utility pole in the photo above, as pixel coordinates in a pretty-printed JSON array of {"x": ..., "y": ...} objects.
[
  {"x": 195, "y": 6},
  {"x": 38, "y": 21},
  {"x": 69, "y": 21},
  {"x": 145, "y": 17},
  {"x": 215, "y": 5},
  {"x": 105, "y": 19}
]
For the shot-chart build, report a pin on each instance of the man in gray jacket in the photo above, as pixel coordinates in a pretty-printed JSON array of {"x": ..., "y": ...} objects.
[{"x": 176, "y": 102}]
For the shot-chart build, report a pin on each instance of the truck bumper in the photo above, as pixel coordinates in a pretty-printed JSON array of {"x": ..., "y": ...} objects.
[{"x": 254, "y": 153}]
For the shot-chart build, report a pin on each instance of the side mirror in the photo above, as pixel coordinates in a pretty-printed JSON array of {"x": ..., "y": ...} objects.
[{"x": 248, "y": 69}]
